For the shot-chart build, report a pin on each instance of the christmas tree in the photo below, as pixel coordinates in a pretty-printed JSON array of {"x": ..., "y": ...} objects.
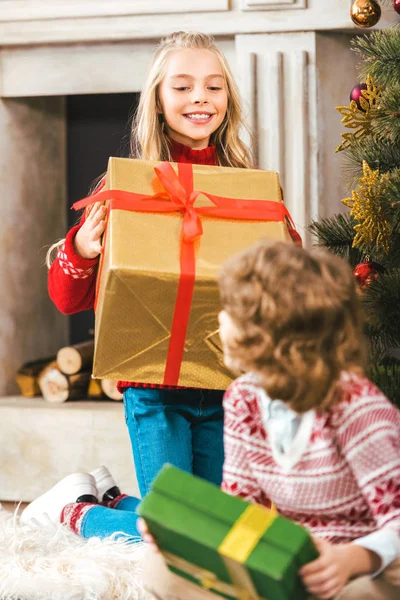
[{"x": 368, "y": 236}]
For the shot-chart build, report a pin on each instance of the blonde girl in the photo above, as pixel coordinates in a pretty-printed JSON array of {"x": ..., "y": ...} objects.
[
  {"x": 189, "y": 111},
  {"x": 151, "y": 135}
]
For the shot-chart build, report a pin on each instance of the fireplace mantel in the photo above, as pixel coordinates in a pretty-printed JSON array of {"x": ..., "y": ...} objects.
[{"x": 33, "y": 22}]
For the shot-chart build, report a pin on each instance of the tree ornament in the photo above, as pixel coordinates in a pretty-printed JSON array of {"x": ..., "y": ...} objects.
[
  {"x": 368, "y": 208},
  {"x": 356, "y": 93},
  {"x": 365, "y": 13},
  {"x": 396, "y": 6},
  {"x": 366, "y": 272},
  {"x": 357, "y": 118}
]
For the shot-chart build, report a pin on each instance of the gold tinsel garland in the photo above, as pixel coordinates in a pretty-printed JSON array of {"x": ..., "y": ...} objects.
[
  {"x": 367, "y": 208},
  {"x": 359, "y": 119}
]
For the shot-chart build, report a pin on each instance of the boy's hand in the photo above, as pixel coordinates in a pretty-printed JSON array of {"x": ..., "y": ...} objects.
[
  {"x": 328, "y": 574},
  {"x": 87, "y": 241},
  {"x": 146, "y": 535}
]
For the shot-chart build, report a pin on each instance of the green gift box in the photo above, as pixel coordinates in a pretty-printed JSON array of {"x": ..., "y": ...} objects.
[{"x": 223, "y": 543}]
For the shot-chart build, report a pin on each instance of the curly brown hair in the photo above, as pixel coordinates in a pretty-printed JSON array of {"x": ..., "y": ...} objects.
[{"x": 297, "y": 318}]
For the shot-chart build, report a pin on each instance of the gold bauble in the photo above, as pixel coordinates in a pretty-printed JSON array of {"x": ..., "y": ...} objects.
[{"x": 365, "y": 13}]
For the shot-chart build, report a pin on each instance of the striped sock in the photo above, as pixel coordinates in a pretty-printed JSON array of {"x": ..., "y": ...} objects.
[
  {"x": 72, "y": 515},
  {"x": 115, "y": 501}
]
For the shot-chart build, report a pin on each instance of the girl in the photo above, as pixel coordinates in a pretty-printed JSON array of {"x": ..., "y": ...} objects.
[
  {"x": 189, "y": 111},
  {"x": 304, "y": 428}
]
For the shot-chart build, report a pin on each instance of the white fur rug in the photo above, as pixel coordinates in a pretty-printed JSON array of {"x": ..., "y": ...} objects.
[{"x": 52, "y": 563}]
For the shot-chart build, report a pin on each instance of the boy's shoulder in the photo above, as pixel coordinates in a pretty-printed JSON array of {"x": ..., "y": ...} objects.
[
  {"x": 360, "y": 396},
  {"x": 355, "y": 388}
]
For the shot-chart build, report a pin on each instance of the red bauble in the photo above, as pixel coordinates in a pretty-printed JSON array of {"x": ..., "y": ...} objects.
[
  {"x": 396, "y": 6},
  {"x": 356, "y": 92},
  {"x": 366, "y": 273}
]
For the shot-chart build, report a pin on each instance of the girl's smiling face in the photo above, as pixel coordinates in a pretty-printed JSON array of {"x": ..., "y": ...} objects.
[{"x": 193, "y": 96}]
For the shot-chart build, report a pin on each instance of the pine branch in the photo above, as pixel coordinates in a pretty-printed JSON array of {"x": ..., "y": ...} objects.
[
  {"x": 381, "y": 303},
  {"x": 337, "y": 233},
  {"x": 384, "y": 366},
  {"x": 378, "y": 342},
  {"x": 380, "y": 52},
  {"x": 377, "y": 345},
  {"x": 386, "y": 121},
  {"x": 379, "y": 154},
  {"x": 387, "y": 378},
  {"x": 393, "y": 201},
  {"x": 396, "y": 220},
  {"x": 388, "y": 261}
]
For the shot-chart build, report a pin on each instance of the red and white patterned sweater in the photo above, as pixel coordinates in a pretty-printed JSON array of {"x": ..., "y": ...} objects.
[{"x": 341, "y": 476}]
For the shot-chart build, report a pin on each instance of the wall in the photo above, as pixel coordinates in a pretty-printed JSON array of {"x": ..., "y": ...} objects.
[{"x": 32, "y": 184}]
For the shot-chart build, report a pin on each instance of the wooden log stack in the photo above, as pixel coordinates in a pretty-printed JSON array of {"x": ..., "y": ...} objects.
[
  {"x": 68, "y": 376},
  {"x": 72, "y": 359}
]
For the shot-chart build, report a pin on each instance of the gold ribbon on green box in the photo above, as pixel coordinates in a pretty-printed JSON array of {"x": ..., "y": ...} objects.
[
  {"x": 234, "y": 550},
  {"x": 240, "y": 542}
]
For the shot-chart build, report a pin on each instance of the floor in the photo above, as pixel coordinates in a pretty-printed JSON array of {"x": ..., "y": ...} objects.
[{"x": 11, "y": 506}]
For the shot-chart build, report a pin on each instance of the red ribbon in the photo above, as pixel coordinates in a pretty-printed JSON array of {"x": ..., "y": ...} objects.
[{"x": 179, "y": 196}]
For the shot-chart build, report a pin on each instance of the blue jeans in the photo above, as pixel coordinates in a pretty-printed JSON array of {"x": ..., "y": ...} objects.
[
  {"x": 100, "y": 521},
  {"x": 180, "y": 427}
]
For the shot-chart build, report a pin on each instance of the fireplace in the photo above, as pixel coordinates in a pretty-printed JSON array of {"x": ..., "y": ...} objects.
[{"x": 98, "y": 126}]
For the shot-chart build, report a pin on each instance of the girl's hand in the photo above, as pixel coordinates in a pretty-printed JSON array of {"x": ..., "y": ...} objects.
[
  {"x": 87, "y": 241},
  {"x": 327, "y": 575},
  {"x": 146, "y": 535}
]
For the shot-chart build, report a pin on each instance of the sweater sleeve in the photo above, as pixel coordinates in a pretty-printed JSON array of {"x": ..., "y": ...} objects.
[
  {"x": 369, "y": 438},
  {"x": 238, "y": 479},
  {"x": 385, "y": 543},
  {"x": 71, "y": 278}
]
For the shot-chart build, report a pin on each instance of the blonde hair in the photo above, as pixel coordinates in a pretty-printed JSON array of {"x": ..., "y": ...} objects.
[
  {"x": 52, "y": 252},
  {"x": 297, "y": 319},
  {"x": 149, "y": 140}
]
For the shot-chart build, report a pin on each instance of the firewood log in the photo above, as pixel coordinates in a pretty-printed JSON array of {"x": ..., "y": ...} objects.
[
  {"x": 109, "y": 387},
  {"x": 72, "y": 359},
  {"x": 27, "y": 374},
  {"x": 56, "y": 387}
]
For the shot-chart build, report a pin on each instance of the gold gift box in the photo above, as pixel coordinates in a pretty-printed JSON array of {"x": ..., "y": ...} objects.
[{"x": 140, "y": 272}]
